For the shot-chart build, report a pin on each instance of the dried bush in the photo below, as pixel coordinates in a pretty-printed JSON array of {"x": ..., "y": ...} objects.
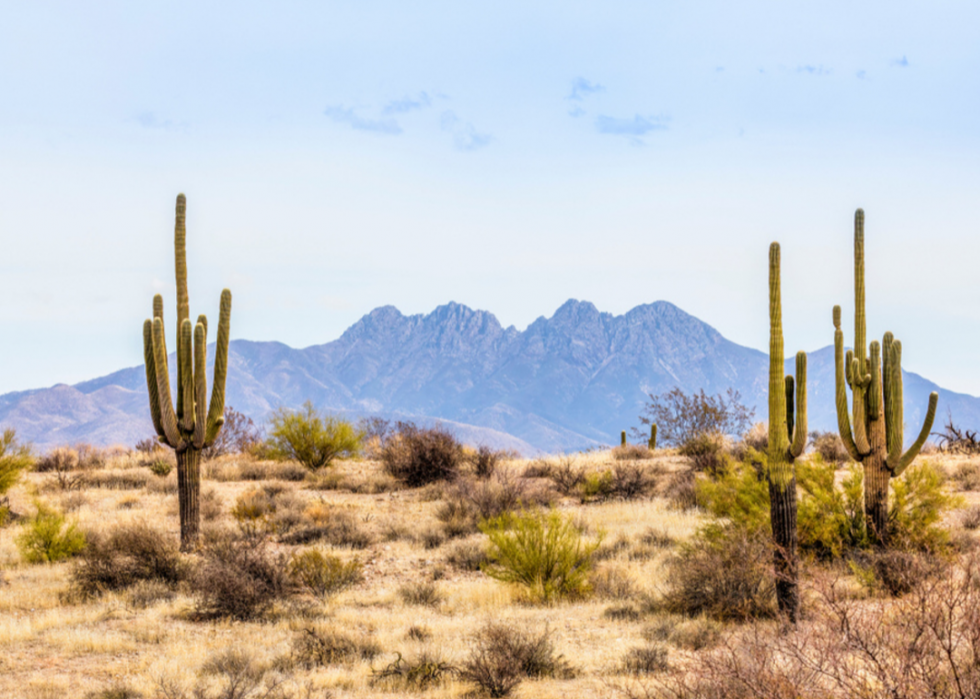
[
  {"x": 631, "y": 481},
  {"x": 967, "y": 476},
  {"x": 830, "y": 447},
  {"x": 953, "y": 440},
  {"x": 118, "y": 479},
  {"x": 320, "y": 646},
  {"x": 708, "y": 451},
  {"x": 502, "y": 655},
  {"x": 335, "y": 526},
  {"x": 894, "y": 573},
  {"x": 566, "y": 476},
  {"x": 146, "y": 593},
  {"x": 419, "y": 672},
  {"x": 467, "y": 555},
  {"x": 420, "y": 594},
  {"x": 539, "y": 468},
  {"x": 417, "y": 456},
  {"x": 971, "y": 518},
  {"x": 311, "y": 438},
  {"x": 486, "y": 460},
  {"x": 646, "y": 660},
  {"x": 690, "y": 634},
  {"x": 681, "y": 418},
  {"x": 680, "y": 489},
  {"x": 613, "y": 582},
  {"x": 64, "y": 465},
  {"x": 238, "y": 435},
  {"x": 117, "y": 691},
  {"x": 470, "y": 501},
  {"x": 725, "y": 573},
  {"x": 234, "y": 673},
  {"x": 631, "y": 452},
  {"x": 124, "y": 556},
  {"x": 240, "y": 578},
  {"x": 322, "y": 574},
  {"x": 542, "y": 552},
  {"x": 45, "y": 538}
]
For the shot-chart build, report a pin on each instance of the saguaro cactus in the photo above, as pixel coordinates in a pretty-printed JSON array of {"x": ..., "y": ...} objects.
[
  {"x": 193, "y": 425},
  {"x": 652, "y": 442},
  {"x": 878, "y": 437},
  {"x": 786, "y": 442},
  {"x": 622, "y": 438}
]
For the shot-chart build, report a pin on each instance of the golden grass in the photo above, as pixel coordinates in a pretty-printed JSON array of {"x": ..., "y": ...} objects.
[{"x": 60, "y": 649}]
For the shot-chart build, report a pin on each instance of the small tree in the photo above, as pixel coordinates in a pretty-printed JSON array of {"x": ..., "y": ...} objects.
[
  {"x": 680, "y": 417},
  {"x": 312, "y": 438}
]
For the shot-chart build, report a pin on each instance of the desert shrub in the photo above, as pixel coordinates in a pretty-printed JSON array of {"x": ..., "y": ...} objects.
[
  {"x": 757, "y": 437},
  {"x": 117, "y": 691},
  {"x": 894, "y": 573},
  {"x": 708, "y": 451},
  {"x": 467, "y": 555},
  {"x": 335, "y": 526},
  {"x": 622, "y": 612},
  {"x": 45, "y": 538},
  {"x": 680, "y": 489},
  {"x": 311, "y": 438},
  {"x": 417, "y": 456},
  {"x": 419, "y": 672},
  {"x": 469, "y": 501},
  {"x": 645, "y": 660},
  {"x": 234, "y": 673},
  {"x": 502, "y": 655},
  {"x": 118, "y": 479},
  {"x": 613, "y": 582},
  {"x": 14, "y": 459},
  {"x": 566, "y": 476},
  {"x": 971, "y": 518},
  {"x": 542, "y": 552},
  {"x": 322, "y": 574},
  {"x": 486, "y": 460},
  {"x": 967, "y": 476},
  {"x": 690, "y": 634},
  {"x": 631, "y": 481},
  {"x": 160, "y": 467},
  {"x": 146, "y": 593},
  {"x": 420, "y": 594},
  {"x": 320, "y": 646},
  {"x": 830, "y": 517},
  {"x": 63, "y": 464},
  {"x": 124, "y": 556},
  {"x": 268, "y": 510},
  {"x": 830, "y": 447},
  {"x": 539, "y": 468},
  {"x": 680, "y": 417},
  {"x": 597, "y": 485},
  {"x": 238, "y": 435},
  {"x": 724, "y": 573},
  {"x": 631, "y": 452},
  {"x": 737, "y": 494},
  {"x": 239, "y": 578}
]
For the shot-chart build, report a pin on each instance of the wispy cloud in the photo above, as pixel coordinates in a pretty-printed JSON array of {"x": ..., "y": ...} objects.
[
  {"x": 407, "y": 104},
  {"x": 465, "y": 135},
  {"x": 149, "y": 120},
  {"x": 346, "y": 115},
  {"x": 582, "y": 88},
  {"x": 814, "y": 70},
  {"x": 576, "y": 111},
  {"x": 861, "y": 74},
  {"x": 637, "y": 126},
  {"x": 902, "y": 62}
]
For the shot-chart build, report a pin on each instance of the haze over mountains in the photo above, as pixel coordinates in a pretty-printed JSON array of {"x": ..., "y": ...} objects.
[{"x": 570, "y": 381}]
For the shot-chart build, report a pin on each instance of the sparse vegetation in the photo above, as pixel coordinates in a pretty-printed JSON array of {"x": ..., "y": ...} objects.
[{"x": 47, "y": 537}]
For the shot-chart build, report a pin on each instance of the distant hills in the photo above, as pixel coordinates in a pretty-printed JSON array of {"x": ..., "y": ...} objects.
[{"x": 570, "y": 381}]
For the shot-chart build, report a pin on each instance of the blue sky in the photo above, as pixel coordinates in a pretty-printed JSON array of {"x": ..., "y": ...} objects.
[{"x": 509, "y": 156}]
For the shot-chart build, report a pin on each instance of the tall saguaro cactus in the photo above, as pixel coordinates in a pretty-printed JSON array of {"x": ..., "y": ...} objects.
[
  {"x": 652, "y": 442},
  {"x": 786, "y": 442},
  {"x": 193, "y": 425},
  {"x": 874, "y": 436}
]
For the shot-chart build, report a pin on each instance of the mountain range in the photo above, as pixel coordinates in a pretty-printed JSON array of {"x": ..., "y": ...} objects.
[{"x": 570, "y": 381}]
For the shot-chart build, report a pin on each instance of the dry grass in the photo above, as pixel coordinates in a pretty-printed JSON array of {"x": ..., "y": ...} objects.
[{"x": 140, "y": 639}]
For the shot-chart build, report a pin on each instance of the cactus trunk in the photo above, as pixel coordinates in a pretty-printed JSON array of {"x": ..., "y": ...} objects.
[
  {"x": 188, "y": 494},
  {"x": 652, "y": 443},
  {"x": 193, "y": 425},
  {"x": 787, "y": 438},
  {"x": 622, "y": 438}
]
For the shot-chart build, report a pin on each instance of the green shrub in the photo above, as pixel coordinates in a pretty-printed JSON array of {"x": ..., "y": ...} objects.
[
  {"x": 830, "y": 518},
  {"x": 916, "y": 506},
  {"x": 322, "y": 574},
  {"x": 46, "y": 539},
  {"x": 14, "y": 459},
  {"x": 311, "y": 438},
  {"x": 542, "y": 552}
]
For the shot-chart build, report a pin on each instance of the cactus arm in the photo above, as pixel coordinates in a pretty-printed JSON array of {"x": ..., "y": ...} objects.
[
  {"x": 185, "y": 359},
  {"x": 894, "y": 403},
  {"x": 843, "y": 418},
  {"x": 652, "y": 444},
  {"x": 800, "y": 434},
  {"x": 183, "y": 303},
  {"x": 790, "y": 390},
  {"x": 216, "y": 412},
  {"x": 860, "y": 324},
  {"x": 203, "y": 320},
  {"x": 200, "y": 384},
  {"x": 168, "y": 420},
  {"x": 913, "y": 451},
  {"x": 848, "y": 365},
  {"x": 151, "y": 375},
  {"x": 887, "y": 382},
  {"x": 779, "y": 469},
  {"x": 874, "y": 388}
]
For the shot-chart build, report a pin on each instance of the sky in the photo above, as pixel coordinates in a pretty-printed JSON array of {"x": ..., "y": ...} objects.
[{"x": 340, "y": 156}]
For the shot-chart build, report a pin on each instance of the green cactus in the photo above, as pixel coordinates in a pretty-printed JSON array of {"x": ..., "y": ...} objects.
[
  {"x": 622, "y": 438},
  {"x": 787, "y": 439},
  {"x": 193, "y": 425},
  {"x": 652, "y": 442},
  {"x": 874, "y": 436}
]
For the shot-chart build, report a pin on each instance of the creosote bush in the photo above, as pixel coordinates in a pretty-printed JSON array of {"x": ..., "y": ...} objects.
[
  {"x": 417, "y": 456},
  {"x": 543, "y": 552},
  {"x": 321, "y": 646},
  {"x": 502, "y": 655},
  {"x": 124, "y": 556},
  {"x": 322, "y": 574},
  {"x": 45, "y": 538},
  {"x": 311, "y": 438}
]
